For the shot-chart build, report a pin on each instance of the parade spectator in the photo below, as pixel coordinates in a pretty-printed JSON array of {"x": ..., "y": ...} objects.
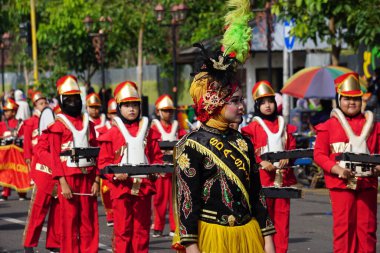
[
  {"x": 23, "y": 111},
  {"x": 89, "y": 88}
]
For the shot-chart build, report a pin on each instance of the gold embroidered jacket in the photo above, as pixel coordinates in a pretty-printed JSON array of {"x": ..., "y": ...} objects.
[{"x": 217, "y": 181}]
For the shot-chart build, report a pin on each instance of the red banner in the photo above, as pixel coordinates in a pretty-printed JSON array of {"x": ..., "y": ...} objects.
[{"x": 13, "y": 169}]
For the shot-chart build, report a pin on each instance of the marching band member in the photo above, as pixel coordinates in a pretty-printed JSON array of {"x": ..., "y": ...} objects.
[
  {"x": 40, "y": 170},
  {"x": 269, "y": 133},
  {"x": 353, "y": 197},
  {"x": 44, "y": 200},
  {"x": 10, "y": 128},
  {"x": 93, "y": 104},
  {"x": 129, "y": 142},
  {"x": 31, "y": 126},
  {"x": 105, "y": 188},
  {"x": 111, "y": 113},
  {"x": 219, "y": 207},
  {"x": 78, "y": 180},
  {"x": 169, "y": 130}
]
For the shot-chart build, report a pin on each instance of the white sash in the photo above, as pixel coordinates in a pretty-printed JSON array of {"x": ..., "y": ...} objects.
[
  {"x": 172, "y": 136},
  {"x": 80, "y": 140},
  {"x": 102, "y": 123},
  {"x": 357, "y": 144},
  {"x": 275, "y": 141},
  {"x": 134, "y": 154}
]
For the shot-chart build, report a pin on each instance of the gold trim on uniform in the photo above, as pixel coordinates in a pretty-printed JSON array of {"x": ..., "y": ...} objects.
[
  {"x": 231, "y": 220},
  {"x": 242, "y": 144},
  {"x": 338, "y": 147},
  {"x": 208, "y": 216},
  {"x": 43, "y": 168},
  {"x": 183, "y": 161},
  {"x": 120, "y": 152},
  {"x": 205, "y": 151},
  {"x": 136, "y": 186},
  {"x": 209, "y": 211},
  {"x": 268, "y": 231}
]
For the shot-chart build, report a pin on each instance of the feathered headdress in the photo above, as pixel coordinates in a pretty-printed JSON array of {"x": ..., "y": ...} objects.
[
  {"x": 237, "y": 37},
  {"x": 215, "y": 80}
]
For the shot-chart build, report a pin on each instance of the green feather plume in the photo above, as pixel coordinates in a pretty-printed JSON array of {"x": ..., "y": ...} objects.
[{"x": 238, "y": 34}]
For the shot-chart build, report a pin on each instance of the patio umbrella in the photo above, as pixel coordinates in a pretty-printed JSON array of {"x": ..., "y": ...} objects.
[{"x": 314, "y": 82}]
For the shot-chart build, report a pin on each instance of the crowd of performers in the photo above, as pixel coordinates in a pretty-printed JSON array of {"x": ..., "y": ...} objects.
[{"x": 214, "y": 196}]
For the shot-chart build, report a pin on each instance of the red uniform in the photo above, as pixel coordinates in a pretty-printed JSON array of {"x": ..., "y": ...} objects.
[
  {"x": 279, "y": 209},
  {"x": 105, "y": 191},
  {"x": 13, "y": 124},
  {"x": 354, "y": 211},
  {"x": 44, "y": 198},
  {"x": 6, "y": 129},
  {"x": 163, "y": 198},
  {"x": 30, "y": 135},
  {"x": 132, "y": 197},
  {"x": 79, "y": 215}
]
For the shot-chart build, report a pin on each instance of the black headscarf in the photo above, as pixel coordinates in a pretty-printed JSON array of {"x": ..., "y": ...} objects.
[
  {"x": 71, "y": 104},
  {"x": 258, "y": 113}
]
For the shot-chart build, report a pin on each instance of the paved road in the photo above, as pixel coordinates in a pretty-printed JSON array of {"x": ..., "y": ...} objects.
[{"x": 310, "y": 226}]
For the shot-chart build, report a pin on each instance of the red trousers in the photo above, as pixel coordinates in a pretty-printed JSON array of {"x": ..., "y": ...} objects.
[
  {"x": 79, "y": 217},
  {"x": 7, "y": 192},
  {"x": 279, "y": 211},
  {"x": 162, "y": 200},
  {"x": 131, "y": 224},
  {"x": 41, "y": 203},
  {"x": 105, "y": 194},
  {"x": 354, "y": 220}
]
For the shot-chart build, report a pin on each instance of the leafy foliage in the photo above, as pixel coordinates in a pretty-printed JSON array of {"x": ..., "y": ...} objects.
[{"x": 349, "y": 21}]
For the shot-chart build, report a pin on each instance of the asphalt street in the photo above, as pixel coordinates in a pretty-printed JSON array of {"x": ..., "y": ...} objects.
[{"x": 310, "y": 226}]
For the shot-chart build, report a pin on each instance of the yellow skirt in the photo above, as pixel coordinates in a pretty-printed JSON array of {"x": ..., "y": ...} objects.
[{"x": 215, "y": 238}]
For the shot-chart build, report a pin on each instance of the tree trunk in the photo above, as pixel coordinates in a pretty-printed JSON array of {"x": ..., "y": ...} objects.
[
  {"x": 26, "y": 77},
  {"x": 335, "y": 48},
  {"x": 335, "y": 53}
]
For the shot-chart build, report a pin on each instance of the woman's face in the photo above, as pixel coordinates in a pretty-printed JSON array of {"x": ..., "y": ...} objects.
[
  {"x": 93, "y": 111},
  {"x": 234, "y": 108},
  {"x": 41, "y": 104},
  {"x": 351, "y": 106},
  {"x": 267, "y": 106},
  {"x": 166, "y": 114},
  {"x": 130, "y": 110}
]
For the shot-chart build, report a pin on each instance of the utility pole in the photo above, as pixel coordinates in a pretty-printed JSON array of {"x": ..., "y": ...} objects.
[{"x": 34, "y": 39}]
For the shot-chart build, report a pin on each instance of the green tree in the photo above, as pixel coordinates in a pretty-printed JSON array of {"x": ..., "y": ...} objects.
[{"x": 349, "y": 21}]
